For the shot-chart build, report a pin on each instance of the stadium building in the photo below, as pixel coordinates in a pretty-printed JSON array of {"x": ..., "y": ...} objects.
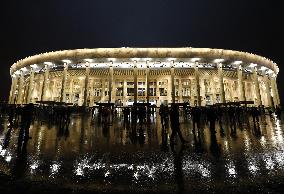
[{"x": 199, "y": 76}]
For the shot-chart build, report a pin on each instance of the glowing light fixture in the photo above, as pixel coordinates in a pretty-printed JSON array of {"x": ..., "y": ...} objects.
[
  {"x": 147, "y": 59},
  {"x": 34, "y": 66},
  {"x": 219, "y": 60},
  {"x": 171, "y": 59},
  {"x": 48, "y": 63},
  {"x": 66, "y": 61},
  {"x": 134, "y": 59},
  {"x": 24, "y": 69},
  {"x": 252, "y": 65},
  {"x": 195, "y": 59},
  {"x": 263, "y": 68},
  {"x": 237, "y": 62},
  {"x": 88, "y": 60}
]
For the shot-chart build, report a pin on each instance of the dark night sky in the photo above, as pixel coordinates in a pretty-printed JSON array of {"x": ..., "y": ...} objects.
[{"x": 32, "y": 27}]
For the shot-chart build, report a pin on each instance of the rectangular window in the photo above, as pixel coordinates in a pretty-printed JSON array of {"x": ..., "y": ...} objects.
[
  {"x": 119, "y": 92},
  {"x": 163, "y": 92},
  {"x": 152, "y": 91},
  {"x": 130, "y": 91},
  {"x": 141, "y": 91}
]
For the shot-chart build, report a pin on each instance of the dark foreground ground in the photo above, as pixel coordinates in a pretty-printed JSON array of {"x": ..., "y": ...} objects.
[{"x": 94, "y": 157}]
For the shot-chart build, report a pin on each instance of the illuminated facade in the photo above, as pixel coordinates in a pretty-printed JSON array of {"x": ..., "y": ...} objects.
[{"x": 199, "y": 76}]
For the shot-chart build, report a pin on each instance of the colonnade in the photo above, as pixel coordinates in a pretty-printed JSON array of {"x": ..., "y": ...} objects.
[{"x": 17, "y": 88}]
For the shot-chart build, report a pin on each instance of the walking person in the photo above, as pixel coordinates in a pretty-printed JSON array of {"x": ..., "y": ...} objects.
[
  {"x": 175, "y": 125},
  {"x": 26, "y": 120}
]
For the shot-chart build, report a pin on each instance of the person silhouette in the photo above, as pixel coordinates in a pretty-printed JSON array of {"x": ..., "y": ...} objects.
[
  {"x": 214, "y": 146},
  {"x": 198, "y": 147},
  {"x": 141, "y": 137},
  {"x": 164, "y": 146},
  {"x": 26, "y": 120},
  {"x": 20, "y": 166},
  {"x": 178, "y": 172},
  {"x": 11, "y": 115},
  {"x": 7, "y": 138},
  {"x": 175, "y": 125}
]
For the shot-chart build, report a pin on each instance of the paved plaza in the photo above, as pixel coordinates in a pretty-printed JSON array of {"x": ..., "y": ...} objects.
[{"x": 120, "y": 157}]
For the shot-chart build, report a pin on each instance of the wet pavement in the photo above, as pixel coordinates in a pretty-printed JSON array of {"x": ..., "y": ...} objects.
[{"x": 123, "y": 158}]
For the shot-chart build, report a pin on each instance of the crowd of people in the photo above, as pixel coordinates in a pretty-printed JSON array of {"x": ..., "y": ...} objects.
[{"x": 234, "y": 116}]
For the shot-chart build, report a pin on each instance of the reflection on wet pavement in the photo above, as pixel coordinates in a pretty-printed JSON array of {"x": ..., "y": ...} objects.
[{"x": 126, "y": 154}]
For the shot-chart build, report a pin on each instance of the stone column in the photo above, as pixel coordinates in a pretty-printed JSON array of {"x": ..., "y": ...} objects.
[
  {"x": 158, "y": 92},
  {"x": 71, "y": 95},
  {"x": 110, "y": 84},
  {"x": 113, "y": 93},
  {"x": 92, "y": 93},
  {"x": 53, "y": 91},
  {"x": 135, "y": 74},
  {"x": 256, "y": 87},
  {"x": 202, "y": 91},
  {"x": 40, "y": 87},
  {"x": 173, "y": 95},
  {"x": 32, "y": 73},
  {"x": 124, "y": 92},
  {"x": 180, "y": 91},
  {"x": 157, "y": 88},
  {"x": 267, "y": 88},
  {"x": 86, "y": 84},
  {"x": 147, "y": 84},
  {"x": 192, "y": 91},
  {"x": 221, "y": 82},
  {"x": 103, "y": 90},
  {"x": 232, "y": 90},
  {"x": 21, "y": 89},
  {"x": 277, "y": 92},
  {"x": 197, "y": 88},
  {"x": 63, "y": 86},
  {"x": 45, "y": 83},
  {"x": 213, "y": 88},
  {"x": 82, "y": 90},
  {"x": 274, "y": 91},
  {"x": 241, "y": 84},
  {"x": 169, "y": 90},
  {"x": 13, "y": 89}
]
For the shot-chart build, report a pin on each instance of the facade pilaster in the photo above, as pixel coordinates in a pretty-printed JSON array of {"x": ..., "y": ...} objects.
[
  {"x": 241, "y": 84},
  {"x": 91, "y": 93},
  {"x": 53, "y": 89},
  {"x": 268, "y": 93},
  {"x": 31, "y": 84},
  {"x": 113, "y": 91},
  {"x": 124, "y": 92},
  {"x": 13, "y": 89},
  {"x": 158, "y": 92},
  {"x": 110, "y": 83},
  {"x": 147, "y": 85},
  {"x": 63, "y": 86},
  {"x": 213, "y": 89},
  {"x": 197, "y": 82},
  {"x": 103, "y": 90},
  {"x": 256, "y": 87},
  {"x": 274, "y": 91},
  {"x": 180, "y": 90},
  {"x": 221, "y": 82},
  {"x": 45, "y": 83},
  {"x": 71, "y": 85},
  {"x": 86, "y": 84},
  {"x": 21, "y": 89},
  {"x": 135, "y": 74},
  {"x": 173, "y": 83}
]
